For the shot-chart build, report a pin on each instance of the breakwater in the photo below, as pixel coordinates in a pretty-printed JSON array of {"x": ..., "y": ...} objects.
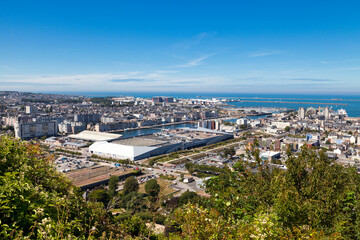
[{"x": 309, "y": 103}]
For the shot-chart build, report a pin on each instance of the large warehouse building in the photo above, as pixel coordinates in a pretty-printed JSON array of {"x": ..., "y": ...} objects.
[{"x": 164, "y": 142}]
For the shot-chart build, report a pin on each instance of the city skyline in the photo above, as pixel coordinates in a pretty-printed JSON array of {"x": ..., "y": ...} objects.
[{"x": 202, "y": 46}]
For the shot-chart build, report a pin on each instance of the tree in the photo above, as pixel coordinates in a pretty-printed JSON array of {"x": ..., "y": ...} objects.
[
  {"x": 229, "y": 151},
  {"x": 134, "y": 202},
  {"x": 152, "y": 188},
  {"x": 256, "y": 142},
  {"x": 287, "y": 128},
  {"x": 227, "y": 123},
  {"x": 152, "y": 162},
  {"x": 130, "y": 185},
  {"x": 113, "y": 183},
  {"x": 37, "y": 202},
  {"x": 99, "y": 195},
  {"x": 314, "y": 192},
  {"x": 187, "y": 197}
]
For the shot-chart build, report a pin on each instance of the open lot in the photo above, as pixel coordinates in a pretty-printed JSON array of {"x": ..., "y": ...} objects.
[
  {"x": 96, "y": 175},
  {"x": 165, "y": 188}
]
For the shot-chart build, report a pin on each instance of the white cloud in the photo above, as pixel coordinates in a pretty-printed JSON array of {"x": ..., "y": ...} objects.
[
  {"x": 195, "y": 40},
  {"x": 96, "y": 81},
  {"x": 194, "y": 62},
  {"x": 264, "y": 53}
]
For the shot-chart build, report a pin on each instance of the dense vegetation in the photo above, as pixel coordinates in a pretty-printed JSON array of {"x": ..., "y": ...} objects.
[
  {"x": 36, "y": 202},
  {"x": 314, "y": 198},
  {"x": 104, "y": 101},
  {"x": 203, "y": 170}
]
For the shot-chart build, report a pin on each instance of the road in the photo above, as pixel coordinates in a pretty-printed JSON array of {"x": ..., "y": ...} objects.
[{"x": 206, "y": 151}]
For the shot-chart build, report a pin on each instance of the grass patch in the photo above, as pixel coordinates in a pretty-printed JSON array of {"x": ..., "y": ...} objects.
[{"x": 164, "y": 187}]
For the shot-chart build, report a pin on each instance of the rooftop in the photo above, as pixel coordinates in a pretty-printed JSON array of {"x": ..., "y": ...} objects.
[
  {"x": 142, "y": 141},
  {"x": 95, "y": 136}
]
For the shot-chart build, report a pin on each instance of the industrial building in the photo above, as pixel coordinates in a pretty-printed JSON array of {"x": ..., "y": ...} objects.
[
  {"x": 95, "y": 136},
  {"x": 164, "y": 142}
]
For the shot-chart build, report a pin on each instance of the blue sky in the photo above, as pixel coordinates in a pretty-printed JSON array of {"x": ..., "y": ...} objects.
[{"x": 180, "y": 46}]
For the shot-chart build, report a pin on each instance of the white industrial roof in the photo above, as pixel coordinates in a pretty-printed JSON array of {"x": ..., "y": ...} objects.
[
  {"x": 119, "y": 150},
  {"x": 95, "y": 136},
  {"x": 269, "y": 153}
]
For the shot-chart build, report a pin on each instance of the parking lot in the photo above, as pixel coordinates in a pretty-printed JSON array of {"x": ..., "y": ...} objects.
[
  {"x": 144, "y": 179},
  {"x": 67, "y": 164}
]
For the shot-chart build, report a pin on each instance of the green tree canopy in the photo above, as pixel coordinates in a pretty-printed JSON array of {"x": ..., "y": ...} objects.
[
  {"x": 37, "y": 202},
  {"x": 314, "y": 193},
  {"x": 100, "y": 195},
  {"x": 130, "y": 185},
  {"x": 187, "y": 197},
  {"x": 230, "y": 151},
  {"x": 113, "y": 183},
  {"x": 152, "y": 188}
]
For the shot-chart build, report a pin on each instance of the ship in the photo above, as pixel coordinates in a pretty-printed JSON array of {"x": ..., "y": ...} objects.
[{"x": 342, "y": 112}]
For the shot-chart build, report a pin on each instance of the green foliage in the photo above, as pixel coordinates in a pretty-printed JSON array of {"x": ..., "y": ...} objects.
[
  {"x": 135, "y": 226},
  {"x": 230, "y": 151},
  {"x": 133, "y": 202},
  {"x": 68, "y": 151},
  {"x": 243, "y": 126},
  {"x": 36, "y": 202},
  {"x": 152, "y": 188},
  {"x": 151, "y": 217},
  {"x": 167, "y": 177},
  {"x": 152, "y": 162},
  {"x": 183, "y": 153},
  {"x": 121, "y": 161},
  {"x": 227, "y": 123},
  {"x": 113, "y": 182},
  {"x": 204, "y": 170},
  {"x": 101, "y": 100},
  {"x": 130, "y": 185},
  {"x": 99, "y": 195},
  {"x": 11, "y": 128},
  {"x": 194, "y": 222},
  {"x": 187, "y": 197},
  {"x": 26, "y": 100},
  {"x": 69, "y": 101},
  {"x": 313, "y": 193},
  {"x": 315, "y": 198}
]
